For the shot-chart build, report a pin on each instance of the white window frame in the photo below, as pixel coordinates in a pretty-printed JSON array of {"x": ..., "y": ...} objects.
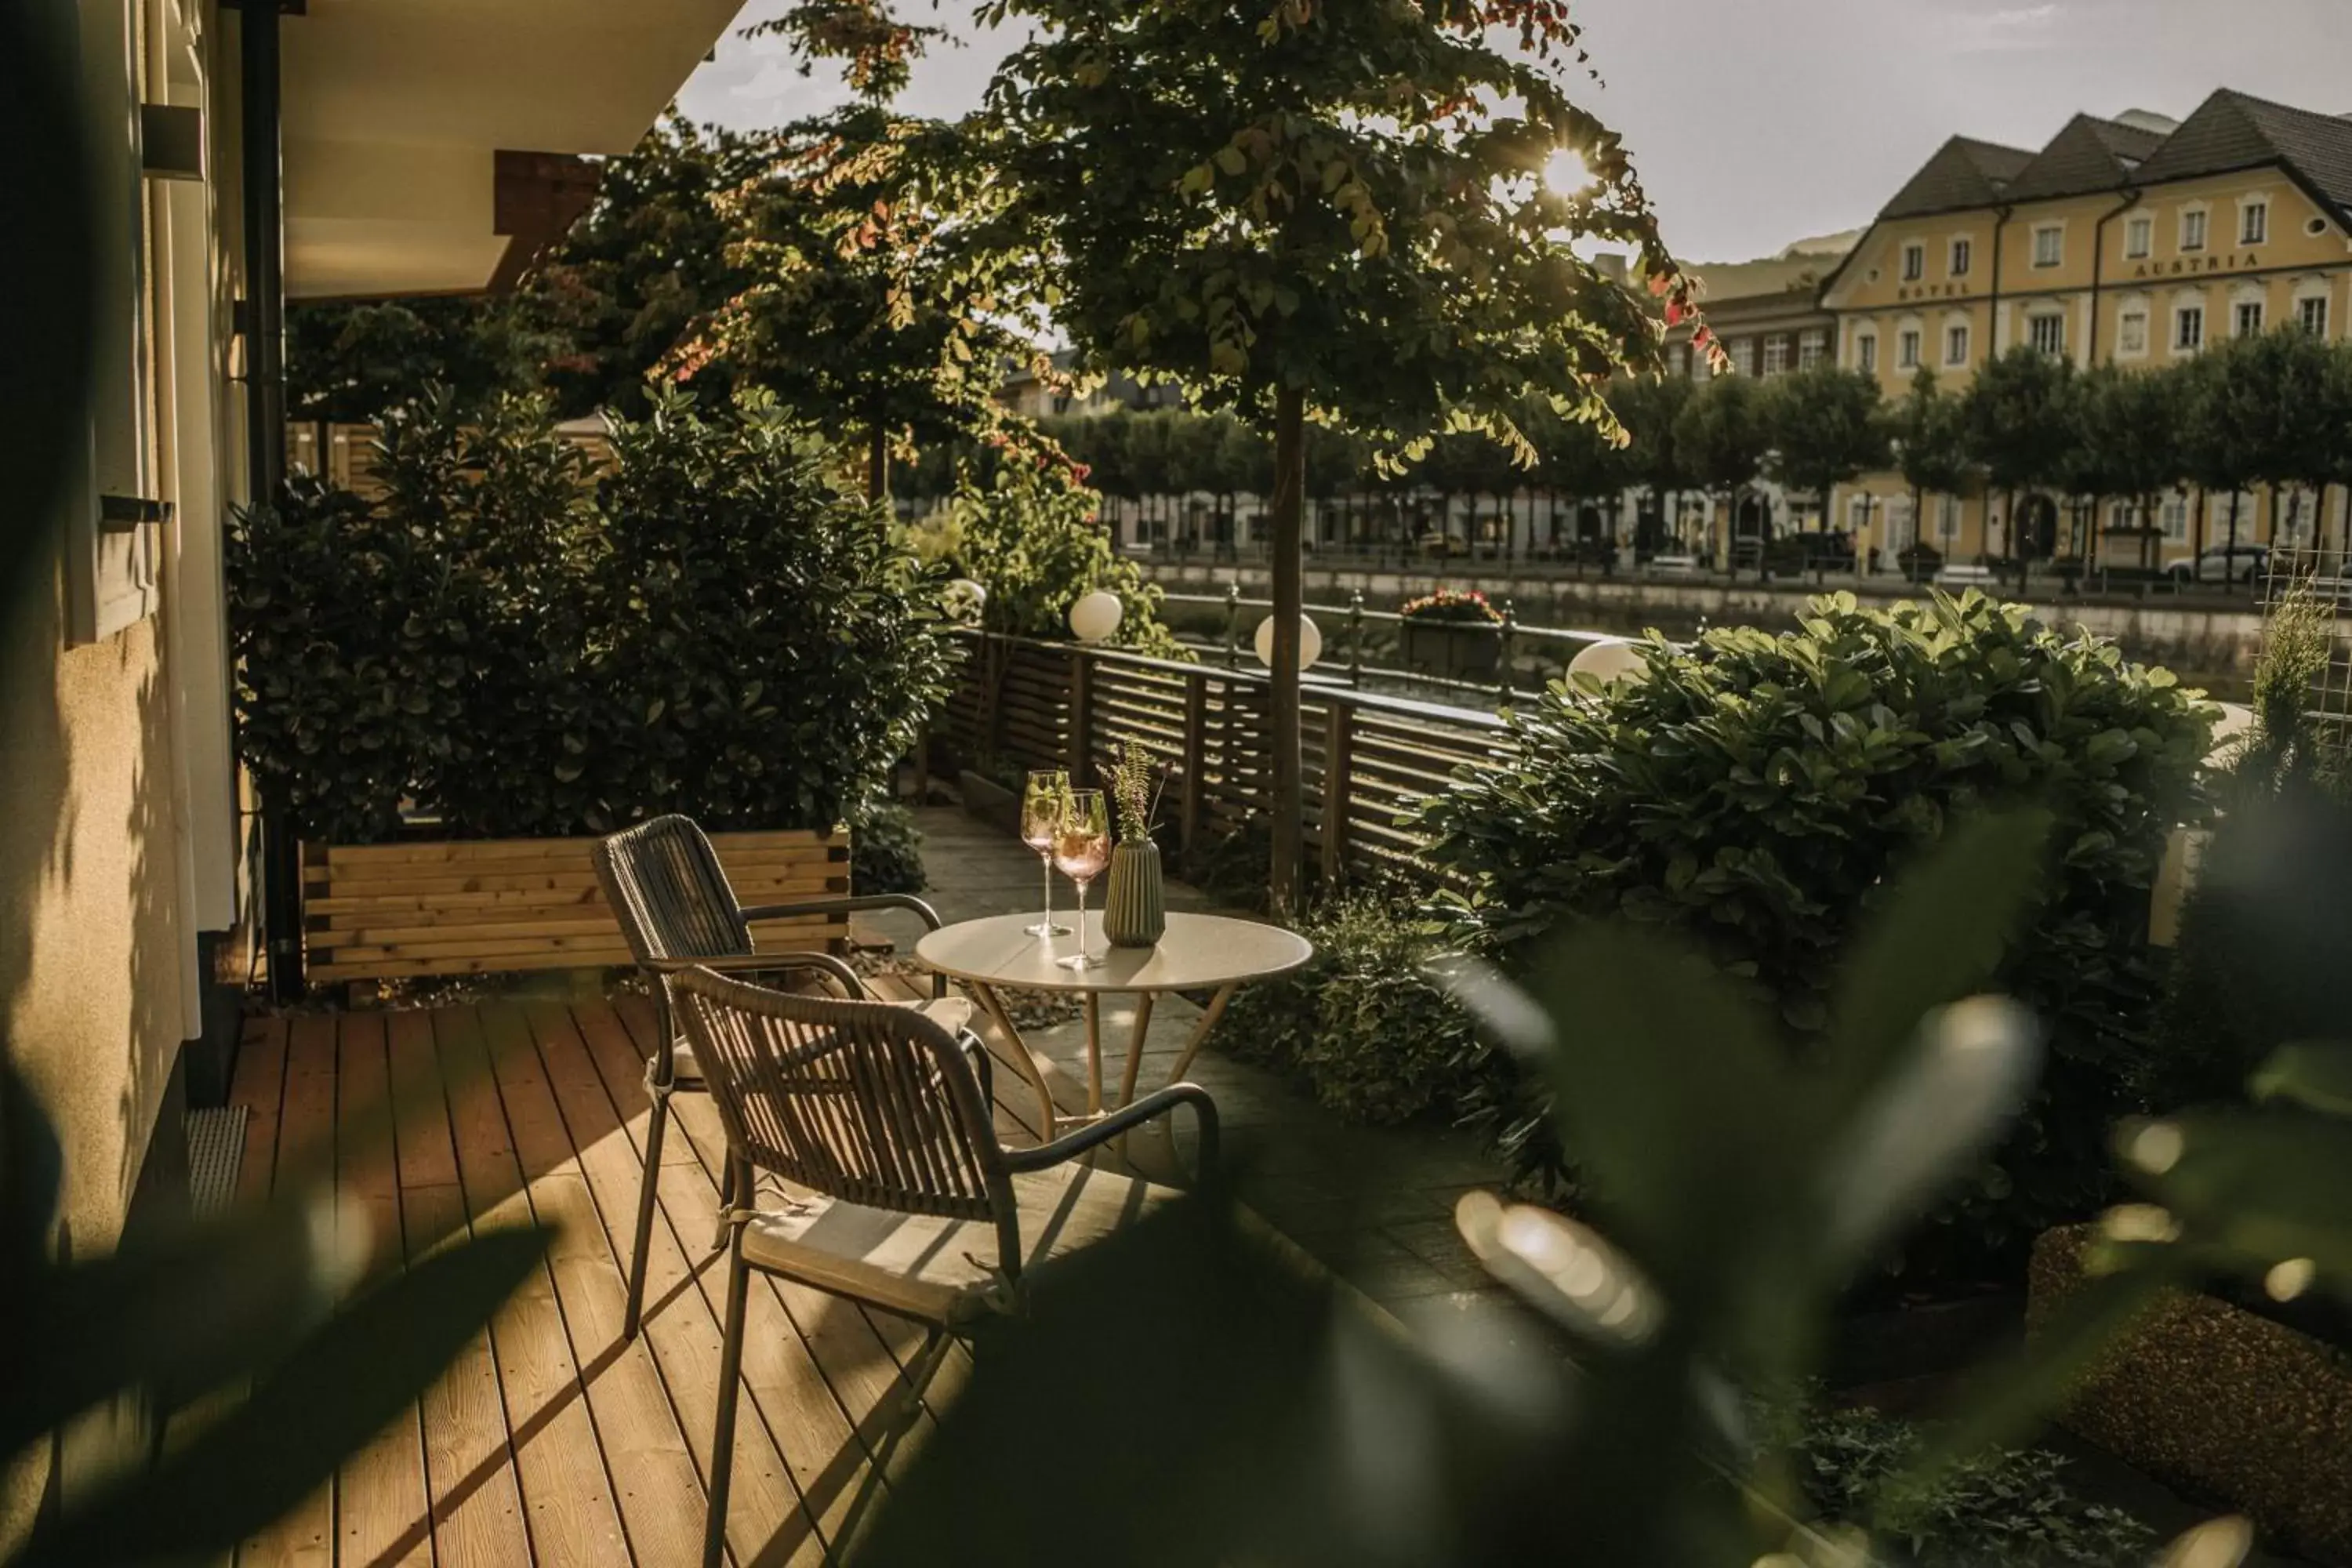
[
  {"x": 2238, "y": 309},
  {"x": 2055, "y": 321},
  {"x": 1947, "y": 520},
  {"x": 2303, "y": 303},
  {"x": 1812, "y": 347},
  {"x": 1914, "y": 264},
  {"x": 1962, "y": 330},
  {"x": 2173, "y": 517},
  {"x": 2139, "y": 236},
  {"x": 1866, "y": 352},
  {"x": 2056, "y": 234},
  {"x": 2202, "y": 217},
  {"x": 1909, "y": 343},
  {"x": 2253, "y": 212},
  {"x": 1776, "y": 354},
  {"x": 2132, "y": 312},
  {"x": 1959, "y": 256},
  {"x": 2179, "y": 336}
]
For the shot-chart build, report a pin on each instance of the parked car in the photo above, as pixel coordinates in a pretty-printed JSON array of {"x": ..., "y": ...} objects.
[{"x": 2225, "y": 563}]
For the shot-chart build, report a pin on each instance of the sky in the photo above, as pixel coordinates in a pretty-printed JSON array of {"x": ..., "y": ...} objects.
[{"x": 1756, "y": 122}]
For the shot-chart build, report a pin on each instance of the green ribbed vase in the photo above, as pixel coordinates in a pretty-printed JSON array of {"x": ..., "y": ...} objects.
[{"x": 1135, "y": 911}]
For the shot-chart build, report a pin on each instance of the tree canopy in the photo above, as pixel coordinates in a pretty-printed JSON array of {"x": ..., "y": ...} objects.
[{"x": 1825, "y": 426}]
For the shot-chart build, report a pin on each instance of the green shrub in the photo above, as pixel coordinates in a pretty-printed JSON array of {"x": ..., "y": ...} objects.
[
  {"x": 885, "y": 851},
  {"x": 2007, "y": 1506},
  {"x": 1359, "y": 1024},
  {"x": 1035, "y": 540},
  {"x": 1755, "y": 791},
  {"x": 714, "y": 628}
]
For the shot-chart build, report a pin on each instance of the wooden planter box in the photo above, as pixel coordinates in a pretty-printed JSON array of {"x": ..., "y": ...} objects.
[
  {"x": 383, "y": 911},
  {"x": 2219, "y": 1400},
  {"x": 1464, "y": 651}
]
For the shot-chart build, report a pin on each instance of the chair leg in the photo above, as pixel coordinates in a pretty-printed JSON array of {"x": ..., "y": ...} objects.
[
  {"x": 722, "y": 1439},
  {"x": 728, "y": 1198},
  {"x": 647, "y": 1193}
]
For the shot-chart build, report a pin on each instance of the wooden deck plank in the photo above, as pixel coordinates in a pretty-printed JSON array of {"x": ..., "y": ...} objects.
[
  {"x": 469, "y": 1468},
  {"x": 305, "y": 1149},
  {"x": 651, "y": 1469},
  {"x": 381, "y": 1490},
  {"x": 767, "y": 1522},
  {"x": 569, "y": 1510},
  {"x": 259, "y": 1086}
]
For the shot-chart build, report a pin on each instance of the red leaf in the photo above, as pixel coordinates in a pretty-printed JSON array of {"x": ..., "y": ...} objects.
[{"x": 1673, "y": 314}]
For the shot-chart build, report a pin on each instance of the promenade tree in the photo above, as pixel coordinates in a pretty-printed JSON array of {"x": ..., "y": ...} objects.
[
  {"x": 1720, "y": 441},
  {"x": 2014, "y": 414},
  {"x": 1823, "y": 427},
  {"x": 1326, "y": 210},
  {"x": 1647, "y": 407},
  {"x": 1929, "y": 440}
]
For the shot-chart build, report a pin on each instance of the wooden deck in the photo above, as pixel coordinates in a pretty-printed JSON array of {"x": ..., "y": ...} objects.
[{"x": 553, "y": 1441}]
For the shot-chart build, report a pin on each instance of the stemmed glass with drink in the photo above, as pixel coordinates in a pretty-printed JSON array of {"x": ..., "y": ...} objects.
[
  {"x": 1081, "y": 850},
  {"x": 1041, "y": 820}
]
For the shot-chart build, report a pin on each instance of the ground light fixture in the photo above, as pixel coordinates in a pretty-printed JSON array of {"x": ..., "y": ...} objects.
[
  {"x": 1310, "y": 642},
  {"x": 1095, "y": 616},
  {"x": 1610, "y": 660}
]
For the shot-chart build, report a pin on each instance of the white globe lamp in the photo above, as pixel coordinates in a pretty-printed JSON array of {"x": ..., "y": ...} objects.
[
  {"x": 1310, "y": 642},
  {"x": 1610, "y": 660},
  {"x": 1095, "y": 616}
]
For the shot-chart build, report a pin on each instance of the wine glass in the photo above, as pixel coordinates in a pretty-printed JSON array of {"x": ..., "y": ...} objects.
[
  {"x": 1041, "y": 818},
  {"x": 1081, "y": 850}
]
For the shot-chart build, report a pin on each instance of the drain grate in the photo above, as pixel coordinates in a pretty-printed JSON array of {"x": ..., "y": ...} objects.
[{"x": 215, "y": 1150}]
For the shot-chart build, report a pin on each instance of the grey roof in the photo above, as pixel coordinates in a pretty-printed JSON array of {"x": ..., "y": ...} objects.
[
  {"x": 2089, "y": 155},
  {"x": 1964, "y": 172},
  {"x": 2234, "y": 130}
]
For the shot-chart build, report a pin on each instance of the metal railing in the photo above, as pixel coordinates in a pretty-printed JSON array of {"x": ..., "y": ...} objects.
[{"x": 1510, "y": 639}]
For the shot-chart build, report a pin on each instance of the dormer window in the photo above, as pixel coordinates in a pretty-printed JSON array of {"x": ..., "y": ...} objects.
[
  {"x": 2254, "y": 223},
  {"x": 2049, "y": 244},
  {"x": 1961, "y": 257},
  {"x": 2192, "y": 229},
  {"x": 1915, "y": 262}
]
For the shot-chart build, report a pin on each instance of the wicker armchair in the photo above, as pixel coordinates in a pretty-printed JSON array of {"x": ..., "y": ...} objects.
[
  {"x": 672, "y": 899},
  {"x": 913, "y": 1206}
]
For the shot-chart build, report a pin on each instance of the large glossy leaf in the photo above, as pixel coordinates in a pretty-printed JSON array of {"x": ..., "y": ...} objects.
[
  {"x": 320, "y": 1404},
  {"x": 2314, "y": 1074},
  {"x": 2272, "y": 1187}
]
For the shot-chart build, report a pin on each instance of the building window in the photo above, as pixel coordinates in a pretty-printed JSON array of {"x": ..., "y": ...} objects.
[
  {"x": 2250, "y": 319},
  {"x": 1961, "y": 257},
  {"x": 2254, "y": 223},
  {"x": 2192, "y": 229},
  {"x": 1915, "y": 262},
  {"x": 1678, "y": 360},
  {"x": 1906, "y": 349},
  {"x": 1812, "y": 346},
  {"x": 2049, "y": 244},
  {"x": 2139, "y": 238},
  {"x": 2176, "y": 517},
  {"x": 1955, "y": 345},
  {"x": 2131, "y": 333},
  {"x": 2310, "y": 314},
  {"x": 2048, "y": 333},
  {"x": 2189, "y": 328},
  {"x": 1865, "y": 354},
  {"x": 1776, "y": 355},
  {"x": 1947, "y": 522}
]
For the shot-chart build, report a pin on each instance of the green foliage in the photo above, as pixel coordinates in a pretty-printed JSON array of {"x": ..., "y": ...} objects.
[
  {"x": 255, "y": 1305},
  {"x": 1826, "y": 428},
  {"x": 875, "y": 46},
  {"x": 2298, "y": 641},
  {"x": 349, "y": 362},
  {"x": 1650, "y": 410},
  {"x": 1034, "y": 541},
  {"x": 886, "y": 850},
  {"x": 1720, "y": 436},
  {"x": 716, "y": 629},
  {"x": 2008, "y": 1506},
  {"x": 2014, "y": 415},
  {"x": 1930, "y": 439},
  {"x": 1755, "y": 793},
  {"x": 1375, "y": 1038}
]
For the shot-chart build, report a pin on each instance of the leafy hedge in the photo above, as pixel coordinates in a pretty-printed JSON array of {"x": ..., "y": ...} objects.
[
  {"x": 712, "y": 627},
  {"x": 1754, "y": 792}
]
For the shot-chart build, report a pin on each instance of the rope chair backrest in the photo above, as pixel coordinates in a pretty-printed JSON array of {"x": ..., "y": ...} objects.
[
  {"x": 667, "y": 889},
  {"x": 863, "y": 1101}
]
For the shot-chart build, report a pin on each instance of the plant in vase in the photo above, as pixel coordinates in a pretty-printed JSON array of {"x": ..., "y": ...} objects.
[{"x": 1135, "y": 911}]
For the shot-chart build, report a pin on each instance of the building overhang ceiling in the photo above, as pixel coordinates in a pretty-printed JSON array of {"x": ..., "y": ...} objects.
[{"x": 428, "y": 143}]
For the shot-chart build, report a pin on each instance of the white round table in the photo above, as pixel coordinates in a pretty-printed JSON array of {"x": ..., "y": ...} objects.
[{"x": 1198, "y": 952}]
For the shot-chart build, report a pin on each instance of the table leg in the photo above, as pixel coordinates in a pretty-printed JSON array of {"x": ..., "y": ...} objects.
[
  {"x": 1050, "y": 1118},
  {"x": 1143, "y": 1000},
  {"x": 1216, "y": 1010},
  {"x": 1094, "y": 1053}
]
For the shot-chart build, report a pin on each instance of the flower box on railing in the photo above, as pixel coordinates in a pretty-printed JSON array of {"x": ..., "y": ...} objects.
[
  {"x": 1462, "y": 650},
  {"x": 383, "y": 911}
]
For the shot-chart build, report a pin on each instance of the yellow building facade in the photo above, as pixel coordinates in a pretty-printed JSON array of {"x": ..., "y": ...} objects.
[{"x": 2136, "y": 242}]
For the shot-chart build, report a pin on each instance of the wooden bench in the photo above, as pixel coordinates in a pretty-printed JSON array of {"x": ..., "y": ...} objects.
[
  {"x": 1966, "y": 577},
  {"x": 379, "y": 911}
]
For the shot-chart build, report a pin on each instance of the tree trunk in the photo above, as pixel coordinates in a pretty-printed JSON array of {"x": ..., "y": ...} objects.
[
  {"x": 1289, "y": 787},
  {"x": 2229, "y": 561},
  {"x": 2197, "y": 537}
]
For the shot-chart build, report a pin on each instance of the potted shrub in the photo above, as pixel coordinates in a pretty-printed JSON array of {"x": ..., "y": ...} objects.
[{"x": 1452, "y": 632}]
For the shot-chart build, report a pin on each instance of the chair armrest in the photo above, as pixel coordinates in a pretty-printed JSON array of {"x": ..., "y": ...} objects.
[
  {"x": 852, "y": 903},
  {"x": 1158, "y": 1103},
  {"x": 759, "y": 962},
  {"x": 983, "y": 1066},
  {"x": 845, "y": 903}
]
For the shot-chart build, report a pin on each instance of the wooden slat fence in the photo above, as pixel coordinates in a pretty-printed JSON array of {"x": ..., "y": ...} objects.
[{"x": 1368, "y": 758}]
